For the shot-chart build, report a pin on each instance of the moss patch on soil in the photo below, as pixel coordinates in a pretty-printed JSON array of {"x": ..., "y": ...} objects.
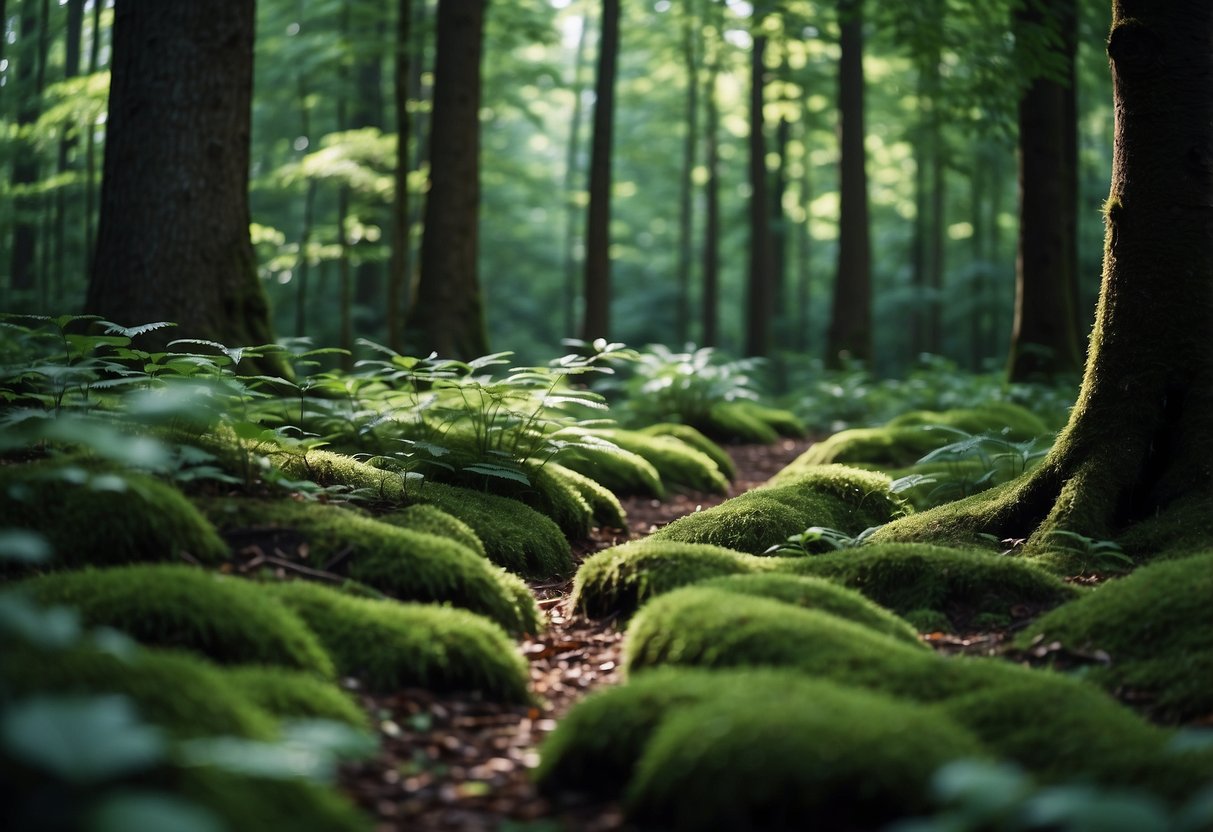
[
  {"x": 289, "y": 694},
  {"x": 678, "y": 463},
  {"x": 605, "y": 508},
  {"x": 433, "y": 520},
  {"x": 697, "y": 441},
  {"x": 389, "y": 645}
]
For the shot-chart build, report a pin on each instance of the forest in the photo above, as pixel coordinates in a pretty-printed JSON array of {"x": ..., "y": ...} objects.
[{"x": 585, "y": 415}]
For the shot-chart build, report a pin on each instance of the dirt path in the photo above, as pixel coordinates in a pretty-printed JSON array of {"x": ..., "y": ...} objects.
[{"x": 458, "y": 763}]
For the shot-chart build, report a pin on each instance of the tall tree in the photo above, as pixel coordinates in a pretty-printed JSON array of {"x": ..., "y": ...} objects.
[
  {"x": 691, "y": 32},
  {"x": 1138, "y": 447},
  {"x": 22, "y": 263},
  {"x": 571, "y": 169},
  {"x": 398, "y": 280},
  {"x": 173, "y": 240},
  {"x": 711, "y": 222},
  {"x": 448, "y": 315},
  {"x": 597, "y": 321},
  {"x": 1044, "y": 338},
  {"x": 760, "y": 304},
  {"x": 850, "y": 331}
]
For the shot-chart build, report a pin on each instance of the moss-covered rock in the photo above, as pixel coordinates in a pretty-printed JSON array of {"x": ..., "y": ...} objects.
[
  {"x": 101, "y": 516},
  {"x": 847, "y": 499},
  {"x": 229, "y": 620},
  {"x": 620, "y": 579},
  {"x": 605, "y": 507},
  {"x": 732, "y": 422},
  {"x": 679, "y": 465},
  {"x": 182, "y": 693},
  {"x": 884, "y": 448},
  {"x": 959, "y": 583},
  {"x": 1157, "y": 627},
  {"x": 515, "y": 536},
  {"x": 746, "y": 750},
  {"x": 289, "y": 694},
  {"x": 697, "y": 441},
  {"x": 406, "y": 564},
  {"x": 389, "y": 645},
  {"x": 618, "y": 470},
  {"x": 818, "y": 593},
  {"x": 430, "y": 519}
]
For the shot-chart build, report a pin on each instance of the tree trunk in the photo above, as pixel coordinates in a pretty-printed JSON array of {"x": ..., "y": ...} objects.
[
  {"x": 1044, "y": 338},
  {"x": 1138, "y": 448},
  {"x": 711, "y": 227},
  {"x": 850, "y": 332},
  {"x": 597, "y": 323},
  {"x": 71, "y": 68},
  {"x": 779, "y": 239},
  {"x": 90, "y": 144},
  {"x": 682, "y": 320},
  {"x": 804, "y": 236},
  {"x": 759, "y": 299},
  {"x": 367, "y": 111},
  {"x": 397, "y": 280},
  {"x": 173, "y": 241},
  {"x": 22, "y": 262},
  {"x": 448, "y": 316},
  {"x": 571, "y": 169}
]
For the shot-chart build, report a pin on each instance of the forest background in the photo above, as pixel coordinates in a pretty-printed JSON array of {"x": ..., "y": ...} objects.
[{"x": 942, "y": 82}]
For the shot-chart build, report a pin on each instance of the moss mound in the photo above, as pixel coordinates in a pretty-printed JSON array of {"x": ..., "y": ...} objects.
[
  {"x": 618, "y": 470},
  {"x": 696, "y": 440},
  {"x": 288, "y": 694},
  {"x": 1008, "y": 420},
  {"x": 909, "y": 578},
  {"x": 732, "y": 422},
  {"x": 226, "y": 619},
  {"x": 678, "y": 464},
  {"x": 515, "y": 536},
  {"x": 605, "y": 507},
  {"x": 257, "y": 804},
  {"x": 406, "y": 564},
  {"x": 835, "y": 497},
  {"x": 620, "y": 579},
  {"x": 885, "y": 448},
  {"x": 433, "y": 520},
  {"x": 1156, "y": 625},
  {"x": 389, "y": 645},
  {"x": 817, "y": 593},
  {"x": 104, "y": 517},
  {"x": 753, "y": 750},
  {"x": 180, "y": 692}
]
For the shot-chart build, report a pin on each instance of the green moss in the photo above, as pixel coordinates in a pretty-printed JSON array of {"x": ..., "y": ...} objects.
[
  {"x": 817, "y": 593},
  {"x": 958, "y": 583},
  {"x": 696, "y": 440},
  {"x": 885, "y": 448},
  {"x": 928, "y": 621},
  {"x": 289, "y": 694},
  {"x": 730, "y": 422},
  {"x": 226, "y": 619},
  {"x": 678, "y": 464},
  {"x": 835, "y": 497},
  {"x": 605, "y": 507},
  {"x": 774, "y": 756},
  {"x": 1156, "y": 625},
  {"x": 389, "y": 645},
  {"x": 254, "y": 804},
  {"x": 1004, "y": 419},
  {"x": 406, "y": 564},
  {"x": 180, "y": 692},
  {"x": 100, "y": 516},
  {"x": 433, "y": 520},
  {"x": 620, "y": 471},
  {"x": 620, "y": 579},
  {"x": 963, "y": 523},
  {"x": 556, "y": 497},
  {"x": 515, "y": 536},
  {"x": 785, "y": 422}
]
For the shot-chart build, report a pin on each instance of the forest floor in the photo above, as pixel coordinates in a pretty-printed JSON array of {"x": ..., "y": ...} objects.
[{"x": 459, "y": 763}]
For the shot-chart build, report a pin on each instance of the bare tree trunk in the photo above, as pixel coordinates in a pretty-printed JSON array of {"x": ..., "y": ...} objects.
[
  {"x": 682, "y": 321},
  {"x": 571, "y": 160},
  {"x": 22, "y": 262},
  {"x": 597, "y": 322},
  {"x": 398, "y": 281},
  {"x": 804, "y": 237},
  {"x": 759, "y": 300}
]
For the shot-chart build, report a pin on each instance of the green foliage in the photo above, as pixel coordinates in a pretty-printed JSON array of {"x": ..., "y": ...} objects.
[
  {"x": 430, "y": 519},
  {"x": 679, "y": 465},
  {"x": 1084, "y": 554},
  {"x": 1155, "y": 626},
  {"x": 816, "y": 539},
  {"x": 291, "y": 695},
  {"x": 623, "y": 472},
  {"x": 843, "y": 498},
  {"x": 405, "y": 564},
  {"x": 226, "y": 619},
  {"x": 697, "y": 441},
  {"x": 605, "y": 507},
  {"x": 389, "y": 645},
  {"x": 668, "y": 386}
]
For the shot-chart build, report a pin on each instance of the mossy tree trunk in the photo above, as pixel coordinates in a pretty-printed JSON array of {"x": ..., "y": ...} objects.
[
  {"x": 448, "y": 315},
  {"x": 850, "y": 332},
  {"x": 1045, "y": 337},
  {"x": 1139, "y": 442},
  {"x": 173, "y": 238}
]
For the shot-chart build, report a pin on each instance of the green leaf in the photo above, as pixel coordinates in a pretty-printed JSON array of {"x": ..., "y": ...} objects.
[
  {"x": 499, "y": 471},
  {"x": 137, "y": 810},
  {"x": 22, "y": 546}
]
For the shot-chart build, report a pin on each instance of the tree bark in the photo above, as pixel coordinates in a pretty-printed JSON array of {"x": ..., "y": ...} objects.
[
  {"x": 1044, "y": 338},
  {"x": 173, "y": 241},
  {"x": 448, "y": 316},
  {"x": 779, "y": 239},
  {"x": 804, "y": 237},
  {"x": 682, "y": 320},
  {"x": 571, "y": 166},
  {"x": 597, "y": 322},
  {"x": 711, "y": 222},
  {"x": 22, "y": 260},
  {"x": 759, "y": 297},
  {"x": 397, "y": 280},
  {"x": 850, "y": 332}
]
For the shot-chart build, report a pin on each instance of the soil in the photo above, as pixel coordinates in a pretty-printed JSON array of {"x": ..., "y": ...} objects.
[{"x": 461, "y": 763}]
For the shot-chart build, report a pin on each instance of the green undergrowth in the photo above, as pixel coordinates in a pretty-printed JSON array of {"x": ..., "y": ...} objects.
[
  {"x": 289, "y": 694},
  {"x": 389, "y": 645},
  {"x": 734, "y": 422},
  {"x": 619, "y": 470},
  {"x": 515, "y": 536},
  {"x": 1155, "y": 625},
  {"x": 605, "y": 508},
  {"x": 758, "y": 750},
  {"x": 837, "y": 497},
  {"x": 409, "y": 565},
  {"x": 620, "y": 579},
  {"x": 433, "y": 520},
  {"x": 1009, "y": 420},
  {"x": 229, "y": 620},
  {"x": 696, "y": 440},
  {"x": 679, "y": 464},
  {"x": 256, "y": 804},
  {"x": 101, "y": 515}
]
